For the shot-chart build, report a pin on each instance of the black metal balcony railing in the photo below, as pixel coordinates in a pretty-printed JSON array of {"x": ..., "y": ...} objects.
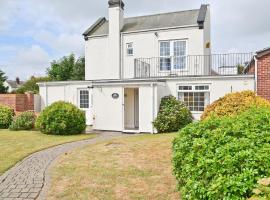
[{"x": 202, "y": 65}]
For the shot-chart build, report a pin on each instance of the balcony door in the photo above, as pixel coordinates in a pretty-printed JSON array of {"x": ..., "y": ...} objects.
[{"x": 172, "y": 55}]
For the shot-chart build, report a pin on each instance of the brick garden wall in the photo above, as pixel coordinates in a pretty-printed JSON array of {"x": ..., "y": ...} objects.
[
  {"x": 263, "y": 82},
  {"x": 18, "y": 102}
]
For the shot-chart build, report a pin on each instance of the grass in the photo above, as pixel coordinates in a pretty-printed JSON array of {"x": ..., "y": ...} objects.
[
  {"x": 16, "y": 145},
  {"x": 131, "y": 168}
]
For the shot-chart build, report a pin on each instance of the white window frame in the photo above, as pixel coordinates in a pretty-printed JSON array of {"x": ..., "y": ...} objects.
[
  {"x": 128, "y": 48},
  {"x": 194, "y": 88},
  {"x": 79, "y": 98},
  {"x": 172, "y": 54}
]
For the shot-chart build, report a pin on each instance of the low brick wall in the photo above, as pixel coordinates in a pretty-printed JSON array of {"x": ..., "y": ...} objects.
[{"x": 18, "y": 102}]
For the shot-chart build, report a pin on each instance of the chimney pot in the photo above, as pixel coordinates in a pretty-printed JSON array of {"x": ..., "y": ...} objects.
[{"x": 116, "y": 3}]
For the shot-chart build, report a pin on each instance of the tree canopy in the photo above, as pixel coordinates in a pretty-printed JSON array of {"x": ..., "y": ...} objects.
[
  {"x": 3, "y": 78},
  {"x": 31, "y": 85},
  {"x": 67, "y": 68}
]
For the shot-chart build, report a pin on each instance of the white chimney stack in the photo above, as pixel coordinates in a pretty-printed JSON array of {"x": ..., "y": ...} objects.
[{"x": 116, "y": 23}]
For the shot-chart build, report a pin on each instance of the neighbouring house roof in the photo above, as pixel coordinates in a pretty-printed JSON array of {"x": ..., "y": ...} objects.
[
  {"x": 14, "y": 84},
  {"x": 150, "y": 22},
  {"x": 259, "y": 54},
  {"x": 263, "y": 52}
]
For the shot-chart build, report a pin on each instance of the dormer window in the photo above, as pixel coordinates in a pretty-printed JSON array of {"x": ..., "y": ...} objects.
[{"x": 130, "y": 49}]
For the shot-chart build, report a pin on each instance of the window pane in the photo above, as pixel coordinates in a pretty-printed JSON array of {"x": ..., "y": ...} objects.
[
  {"x": 165, "y": 63},
  {"x": 185, "y": 87},
  {"x": 202, "y": 87},
  {"x": 165, "y": 60},
  {"x": 164, "y": 49},
  {"x": 179, "y": 62},
  {"x": 179, "y": 48},
  {"x": 195, "y": 101},
  {"x": 179, "y": 54},
  {"x": 84, "y": 99}
]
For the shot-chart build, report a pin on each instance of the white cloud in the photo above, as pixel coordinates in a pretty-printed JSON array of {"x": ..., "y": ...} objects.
[
  {"x": 27, "y": 62},
  {"x": 62, "y": 43}
]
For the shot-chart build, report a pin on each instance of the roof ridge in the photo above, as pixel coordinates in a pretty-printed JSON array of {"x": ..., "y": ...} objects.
[{"x": 161, "y": 14}]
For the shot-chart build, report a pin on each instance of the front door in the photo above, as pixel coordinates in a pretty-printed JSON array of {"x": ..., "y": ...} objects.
[{"x": 131, "y": 109}]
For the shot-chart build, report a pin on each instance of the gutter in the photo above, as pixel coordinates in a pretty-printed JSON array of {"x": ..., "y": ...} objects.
[{"x": 147, "y": 30}]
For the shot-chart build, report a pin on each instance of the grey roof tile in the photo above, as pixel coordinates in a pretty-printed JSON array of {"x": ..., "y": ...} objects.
[{"x": 157, "y": 21}]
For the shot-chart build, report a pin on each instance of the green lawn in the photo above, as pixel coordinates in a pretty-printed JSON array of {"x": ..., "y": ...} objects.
[
  {"x": 133, "y": 168},
  {"x": 14, "y": 146}
]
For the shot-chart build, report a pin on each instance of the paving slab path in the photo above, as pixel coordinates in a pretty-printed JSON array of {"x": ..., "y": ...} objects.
[{"x": 26, "y": 180}]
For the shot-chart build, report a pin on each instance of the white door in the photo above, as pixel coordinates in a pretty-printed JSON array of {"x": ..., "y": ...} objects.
[{"x": 85, "y": 104}]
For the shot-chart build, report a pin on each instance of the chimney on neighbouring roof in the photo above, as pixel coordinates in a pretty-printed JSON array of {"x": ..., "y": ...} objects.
[
  {"x": 116, "y": 23},
  {"x": 18, "y": 80}
]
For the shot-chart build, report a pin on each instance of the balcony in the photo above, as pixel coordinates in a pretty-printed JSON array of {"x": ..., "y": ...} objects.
[{"x": 192, "y": 66}]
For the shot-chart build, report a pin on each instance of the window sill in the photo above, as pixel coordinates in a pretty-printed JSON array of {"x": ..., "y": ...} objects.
[{"x": 197, "y": 112}]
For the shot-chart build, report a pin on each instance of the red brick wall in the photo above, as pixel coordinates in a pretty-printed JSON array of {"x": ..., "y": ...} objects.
[
  {"x": 263, "y": 82},
  {"x": 18, "y": 102},
  {"x": 251, "y": 69}
]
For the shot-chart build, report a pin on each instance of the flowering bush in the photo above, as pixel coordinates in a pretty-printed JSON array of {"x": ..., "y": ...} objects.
[{"x": 233, "y": 104}]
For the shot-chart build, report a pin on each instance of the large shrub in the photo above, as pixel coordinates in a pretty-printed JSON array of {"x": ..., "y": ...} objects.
[
  {"x": 6, "y": 116},
  {"x": 173, "y": 115},
  {"x": 24, "y": 121},
  {"x": 233, "y": 104},
  {"x": 61, "y": 118},
  {"x": 222, "y": 158}
]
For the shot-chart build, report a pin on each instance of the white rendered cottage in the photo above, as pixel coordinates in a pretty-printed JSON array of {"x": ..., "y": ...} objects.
[{"x": 131, "y": 63}]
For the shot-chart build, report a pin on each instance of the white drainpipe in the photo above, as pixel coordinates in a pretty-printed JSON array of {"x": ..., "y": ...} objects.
[
  {"x": 153, "y": 105},
  {"x": 256, "y": 73}
]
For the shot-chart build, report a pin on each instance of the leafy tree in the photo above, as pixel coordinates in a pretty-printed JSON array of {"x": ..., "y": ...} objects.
[
  {"x": 240, "y": 69},
  {"x": 67, "y": 68},
  {"x": 31, "y": 85},
  {"x": 3, "y": 78},
  {"x": 79, "y": 70}
]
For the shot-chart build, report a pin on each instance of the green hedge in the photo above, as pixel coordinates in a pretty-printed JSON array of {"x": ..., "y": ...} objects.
[
  {"x": 172, "y": 116},
  {"x": 24, "y": 121},
  {"x": 223, "y": 158},
  {"x": 61, "y": 118},
  {"x": 6, "y": 116}
]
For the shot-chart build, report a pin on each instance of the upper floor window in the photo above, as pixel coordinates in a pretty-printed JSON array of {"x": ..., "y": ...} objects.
[
  {"x": 130, "y": 49},
  {"x": 196, "y": 97},
  {"x": 84, "y": 99},
  {"x": 173, "y": 55}
]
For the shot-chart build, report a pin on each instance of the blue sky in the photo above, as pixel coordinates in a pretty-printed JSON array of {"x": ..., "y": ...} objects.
[{"x": 35, "y": 32}]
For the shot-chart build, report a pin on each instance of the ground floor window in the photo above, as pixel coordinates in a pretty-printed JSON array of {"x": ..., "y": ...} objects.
[
  {"x": 196, "y": 97},
  {"x": 84, "y": 99}
]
